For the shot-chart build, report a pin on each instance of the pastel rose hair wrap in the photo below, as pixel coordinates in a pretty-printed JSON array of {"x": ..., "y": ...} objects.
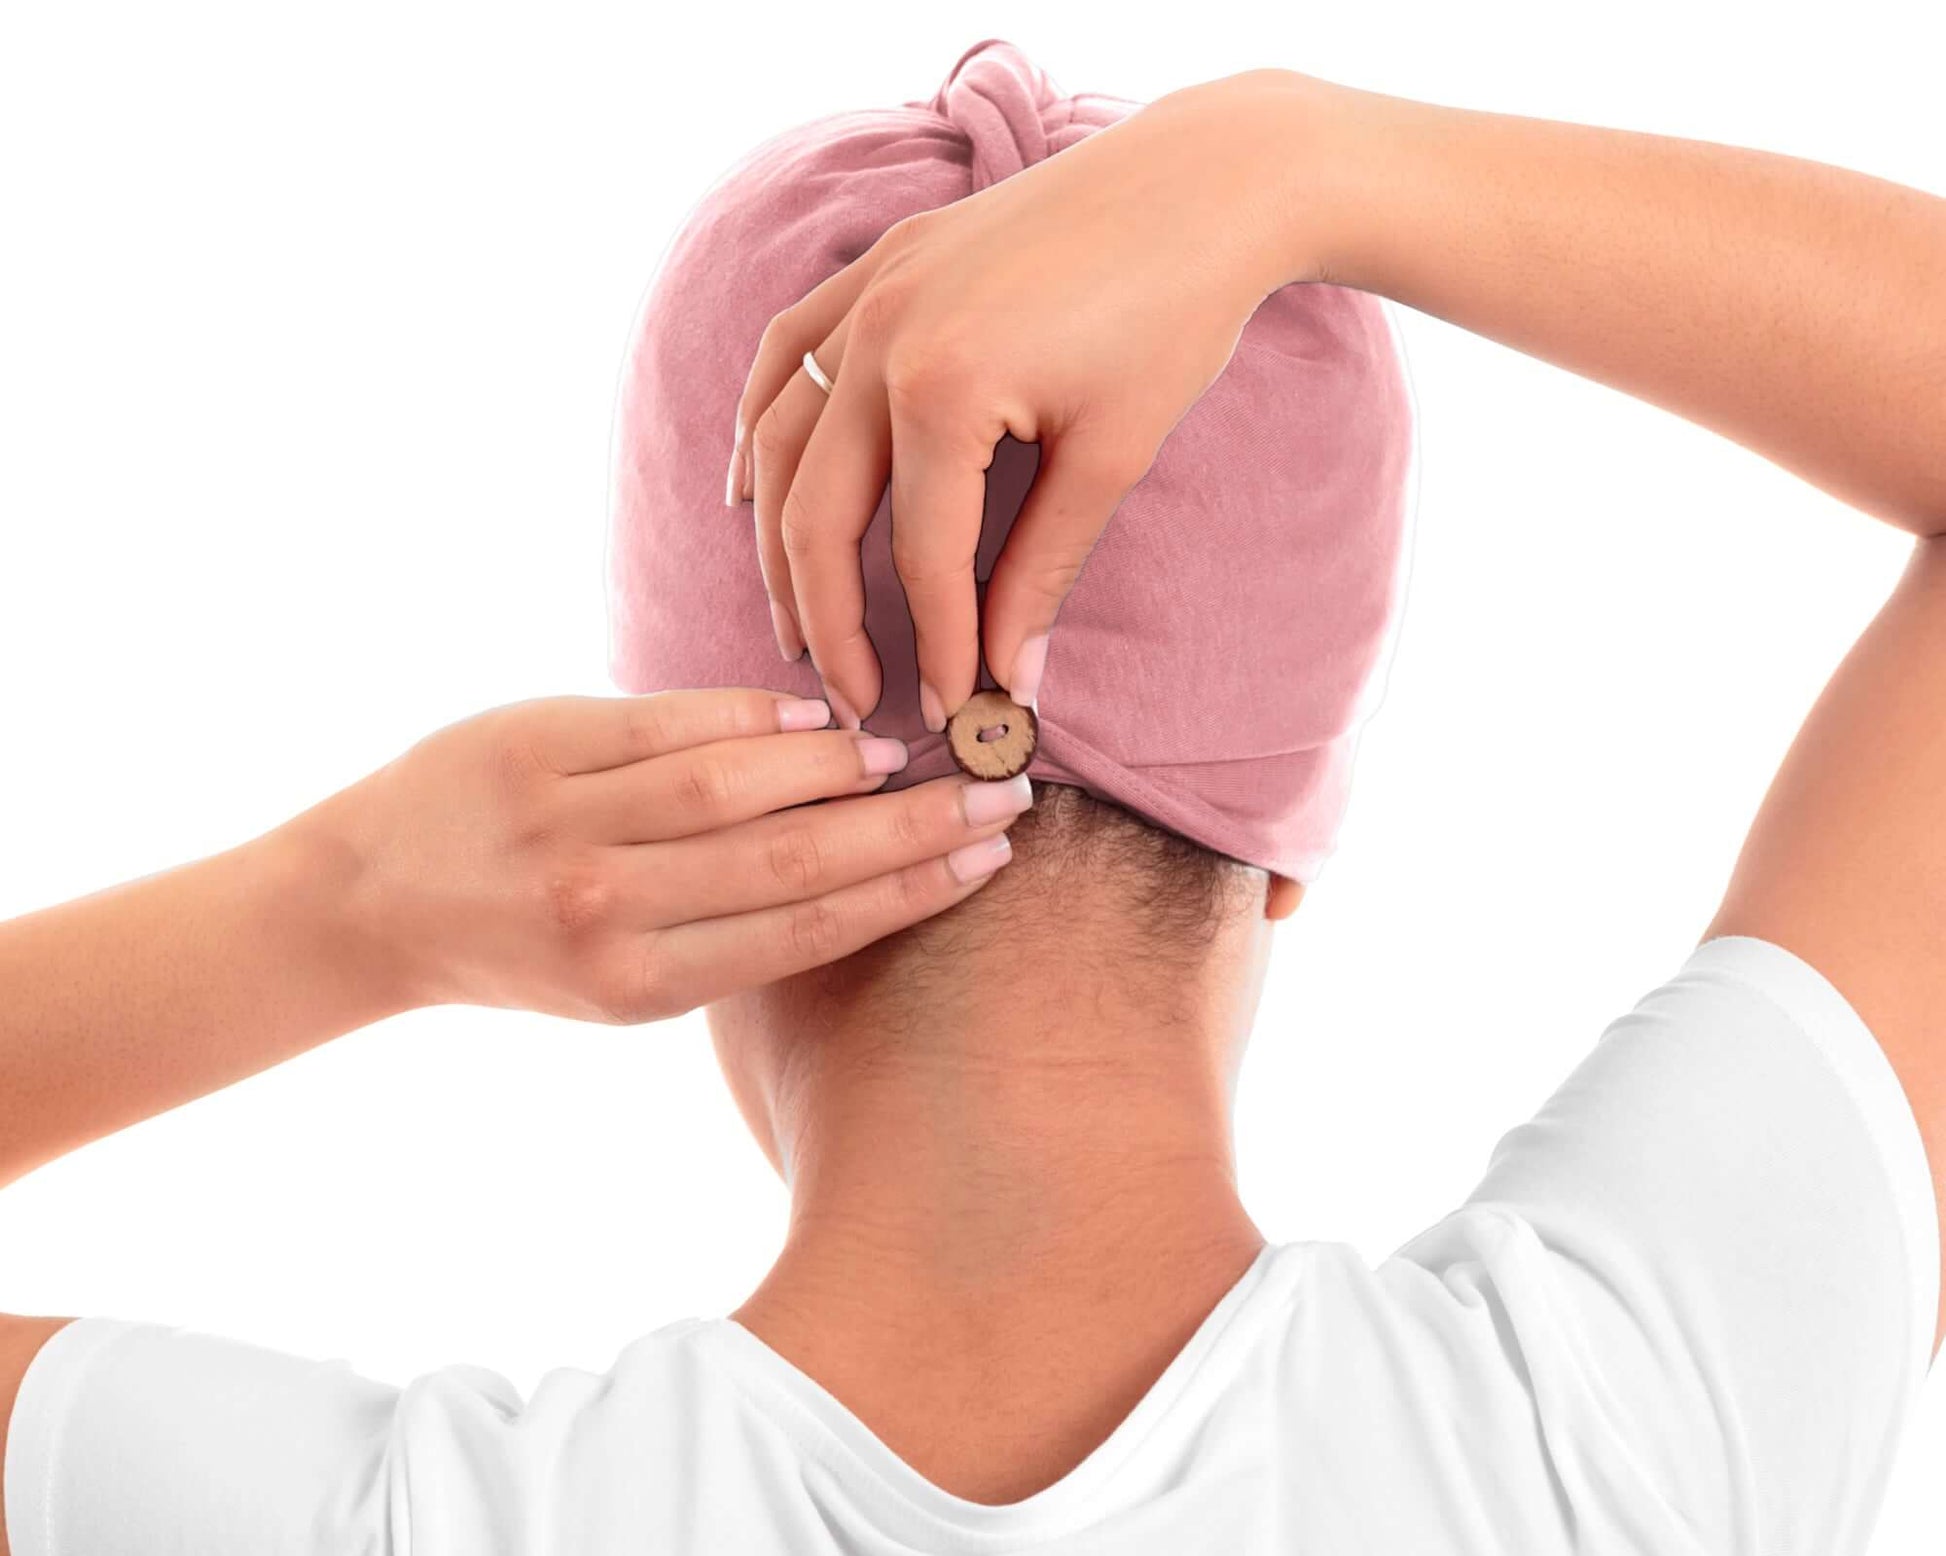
[{"x": 1212, "y": 666}]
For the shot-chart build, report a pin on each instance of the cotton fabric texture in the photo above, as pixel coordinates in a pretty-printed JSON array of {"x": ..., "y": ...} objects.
[
  {"x": 1212, "y": 667},
  {"x": 1584, "y": 1356}
]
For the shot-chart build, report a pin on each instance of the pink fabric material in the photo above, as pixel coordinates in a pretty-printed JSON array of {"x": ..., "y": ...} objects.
[{"x": 1211, "y": 667}]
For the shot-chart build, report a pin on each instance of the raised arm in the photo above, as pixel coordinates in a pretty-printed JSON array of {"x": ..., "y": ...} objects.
[
  {"x": 1801, "y": 310},
  {"x": 1084, "y": 303},
  {"x": 616, "y": 859},
  {"x": 1797, "y": 308}
]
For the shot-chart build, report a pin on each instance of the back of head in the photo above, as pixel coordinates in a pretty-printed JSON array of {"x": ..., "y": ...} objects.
[{"x": 1208, "y": 674}]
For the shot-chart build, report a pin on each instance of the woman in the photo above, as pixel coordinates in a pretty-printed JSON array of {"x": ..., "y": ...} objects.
[{"x": 1021, "y": 1305}]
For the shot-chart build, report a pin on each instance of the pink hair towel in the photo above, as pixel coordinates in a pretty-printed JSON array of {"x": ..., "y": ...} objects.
[{"x": 1212, "y": 666}]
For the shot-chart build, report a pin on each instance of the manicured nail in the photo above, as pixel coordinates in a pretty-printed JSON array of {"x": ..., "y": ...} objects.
[
  {"x": 841, "y": 707},
  {"x": 881, "y": 754},
  {"x": 988, "y": 802},
  {"x": 932, "y": 712},
  {"x": 733, "y": 482},
  {"x": 976, "y": 861},
  {"x": 1029, "y": 662},
  {"x": 802, "y": 713},
  {"x": 790, "y": 642}
]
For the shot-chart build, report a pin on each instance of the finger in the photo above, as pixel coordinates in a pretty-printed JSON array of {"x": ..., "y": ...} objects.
[
  {"x": 780, "y": 355},
  {"x": 1081, "y": 482},
  {"x": 814, "y": 849},
  {"x": 939, "y": 470},
  {"x": 691, "y": 964},
  {"x": 822, "y": 519},
  {"x": 725, "y": 782},
  {"x": 779, "y": 441},
  {"x": 591, "y": 734}
]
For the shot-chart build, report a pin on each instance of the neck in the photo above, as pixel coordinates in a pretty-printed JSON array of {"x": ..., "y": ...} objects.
[
  {"x": 1037, "y": 1207},
  {"x": 977, "y": 1173}
]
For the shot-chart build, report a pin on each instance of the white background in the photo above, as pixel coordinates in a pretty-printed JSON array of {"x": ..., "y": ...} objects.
[{"x": 309, "y": 325}]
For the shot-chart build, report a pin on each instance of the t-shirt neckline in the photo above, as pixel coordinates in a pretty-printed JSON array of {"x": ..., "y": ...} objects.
[{"x": 907, "y": 1504}]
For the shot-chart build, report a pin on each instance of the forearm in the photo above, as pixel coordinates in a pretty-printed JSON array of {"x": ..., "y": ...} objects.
[
  {"x": 1796, "y": 308},
  {"x": 602, "y": 858},
  {"x": 138, "y": 999}
]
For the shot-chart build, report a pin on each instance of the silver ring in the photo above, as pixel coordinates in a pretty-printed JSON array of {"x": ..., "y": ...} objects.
[{"x": 816, "y": 373}]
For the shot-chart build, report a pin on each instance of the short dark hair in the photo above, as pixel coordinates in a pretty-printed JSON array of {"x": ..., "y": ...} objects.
[
  {"x": 1179, "y": 890},
  {"x": 1173, "y": 893}
]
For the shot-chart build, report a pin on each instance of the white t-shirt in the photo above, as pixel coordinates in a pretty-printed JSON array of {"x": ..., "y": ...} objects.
[{"x": 1687, "y": 1310}]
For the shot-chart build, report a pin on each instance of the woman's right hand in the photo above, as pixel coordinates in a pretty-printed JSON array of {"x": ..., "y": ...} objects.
[
  {"x": 625, "y": 859},
  {"x": 1083, "y": 304}
]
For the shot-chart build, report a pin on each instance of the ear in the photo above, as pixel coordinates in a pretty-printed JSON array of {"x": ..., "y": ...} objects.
[{"x": 1282, "y": 897}]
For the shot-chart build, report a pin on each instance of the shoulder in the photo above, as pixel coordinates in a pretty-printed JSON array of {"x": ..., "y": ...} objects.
[{"x": 21, "y": 1340}]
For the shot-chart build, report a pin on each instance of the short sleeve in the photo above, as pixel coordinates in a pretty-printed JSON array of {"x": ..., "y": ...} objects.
[
  {"x": 132, "y": 1439},
  {"x": 1714, "y": 1259}
]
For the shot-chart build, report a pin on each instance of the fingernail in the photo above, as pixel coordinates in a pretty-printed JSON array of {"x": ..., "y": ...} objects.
[
  {"x": 881, "y": 754},
  {"x": 790, "y": 643},
  {"x": 988, "y": 802},
  {"x": 932, "y": 712},
  {"x": 802, "y": 713},
  {"x": 1029, "y": 662},
  {"x": 847, "y": 715},
  {"x": 976, "y": 861},
  {"x": 733, "y": 481}
]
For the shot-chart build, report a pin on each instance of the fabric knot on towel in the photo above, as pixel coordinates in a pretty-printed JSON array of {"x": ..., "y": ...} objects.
[{"x": 1010, "y": 113}]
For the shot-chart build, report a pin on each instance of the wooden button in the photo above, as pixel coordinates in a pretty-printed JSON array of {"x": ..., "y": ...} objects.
[{"x": 992, "y": 736}]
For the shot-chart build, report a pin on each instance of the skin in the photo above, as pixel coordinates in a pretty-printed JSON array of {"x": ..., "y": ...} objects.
[
  {"x": 1084, "y": 304},
  {"x": 1000, "y": 1165},
  {"x": 1012, "y": 1187},
  {"x": 617, "y": 860}
]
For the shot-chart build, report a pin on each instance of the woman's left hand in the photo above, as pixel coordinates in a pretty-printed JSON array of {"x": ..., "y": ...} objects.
[{"x": 624, "y": 859}]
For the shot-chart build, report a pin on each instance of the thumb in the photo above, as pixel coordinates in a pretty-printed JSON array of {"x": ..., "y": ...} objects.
[{"x": 1081, "y": 482}]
